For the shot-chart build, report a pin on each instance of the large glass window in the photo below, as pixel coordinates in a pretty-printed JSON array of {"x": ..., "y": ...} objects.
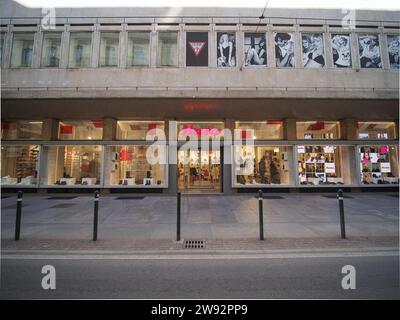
[
  {"x": 22, "y": 50},
  {"x": 72, "y": 165},
  {"x": 138, "y": 49},
  {"x": 375, "y": 130},
  {"x": 263, "y": 130},
  {"x": 262, "y": 165},
  {"x": 51, "y": 50},
  {"x": 137, "y": 130},
  {"x": 317, "y": 130},
  {"x": 109, "y": 49},
  {"x": 129, "y": 166},
  {"x": 379, "y": 165},
  {"x": 199, "y": 130},
  {"x": 324, "y": 165},
  {"x": 21, "y": 130},
  {"x": 80, "y": 47},
  {"x": 341, "y": 50},
  {"x": 81, "y": 130},
  {"x": 167, "y": 49},
  {"x": 313, "y": 52},
  {"x": 369, "y": 51},
  {"x": 393, "y": 46},
  {"x": 19, "y": 165}
]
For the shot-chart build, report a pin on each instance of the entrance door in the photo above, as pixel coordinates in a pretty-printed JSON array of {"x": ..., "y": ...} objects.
[{"x": 199, "y": 170}]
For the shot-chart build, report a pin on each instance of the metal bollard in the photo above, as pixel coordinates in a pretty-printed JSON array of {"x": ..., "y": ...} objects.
[
  {"x": 178, "y": 217},
  {"x": 19, "y": 213},
  {"x": 341, "y": 211},
  {"x": 261, "y": 214},
  {"x": 96, "y": 214}
]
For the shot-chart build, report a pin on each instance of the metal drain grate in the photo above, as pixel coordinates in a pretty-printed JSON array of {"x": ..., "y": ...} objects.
[
  {"x": 129, "y": 198},
  {"x": 61, "y": 198},
  {"x": 63, "y": 205},
  {"x": 194, "y": 244}
]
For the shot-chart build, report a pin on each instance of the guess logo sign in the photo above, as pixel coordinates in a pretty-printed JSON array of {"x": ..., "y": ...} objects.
[{"x": 197, "y": 47}]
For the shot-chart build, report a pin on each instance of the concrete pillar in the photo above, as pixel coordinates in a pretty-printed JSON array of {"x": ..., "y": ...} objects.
[
  {"x": 239, "y": 47},
  {"x": 270, "y": 47},
  {"x": 297, "y": 48},
  {"x": 50, "y": 129},
  {"x": 65, "y": 47},
  {"x": 95, "y": 46},
  {"x": 7, "y": 47},
  {"x": 227, "y": 160},
  {"x": 348, "y": 130},
  {"x": 355, "y": 61},
  {"x": 153, "y": 46},
  {"x": 289, "y": 129},
  {"x": 171, "y": 126},
  {"x": 109, "y": 129},
  {"x": 328, "y": 50},
  {"x": 212, "y": 46},
  {"x": 181, "y": 46},
  {"x": 123, "y": 46},
  {"x": 384, "y": 49},
  {"x": 37, "y": 48}
]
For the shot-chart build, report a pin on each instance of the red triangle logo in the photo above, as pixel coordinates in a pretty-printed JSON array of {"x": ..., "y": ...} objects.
[{"x": 197, "y": 47}]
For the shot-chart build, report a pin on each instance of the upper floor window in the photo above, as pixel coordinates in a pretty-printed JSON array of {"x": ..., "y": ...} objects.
[
  {"x": 226, "y": 49},
  {"x": 81, "y": 130},
  {"x": 139, "y": 130},
  {"x": 51, "y": 50},
  {"x": 167, "y": 49},
  {"x": 21, "y": 130},
  {"x": 255, "y": 49},
  {"x": 370, "y": 52},
  {"x": 375, "y": 130},
  {"x": 80, "y": 47},
  {"x": 317, "y": 130},
  {"x": 313, "y": 53},
  {"x": 138, "y": 49},
  {"x": 262, "y": 130},
  {"x": 284, "y": 49},
  {"x": 341, "y": 51},
  {"x": 22, "y": 50},
  {"x": 109, "y": 49},
  {"x": 393, "y": 43}
]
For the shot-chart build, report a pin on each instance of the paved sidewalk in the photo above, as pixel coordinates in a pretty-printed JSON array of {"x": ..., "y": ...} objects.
[{"x": 372, "y": 219}]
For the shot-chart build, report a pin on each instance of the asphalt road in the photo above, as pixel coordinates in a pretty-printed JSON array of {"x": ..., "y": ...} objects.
[{"x": 197, "y": 277}]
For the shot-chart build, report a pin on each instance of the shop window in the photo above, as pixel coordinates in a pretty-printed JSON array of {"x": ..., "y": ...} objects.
[
  {"x": 80, "y": 47},
  {"x": 81, "y": 130},
  {"x": 167, "y": 49},
  {"x": 138, "y": 130},
  {"x": 379, "y": 165},
  {"x": 262, "y": 165},
  {"x": 51, "y": 50},
  {"x": 109, "y": 49},
  {"x": 138, "y": 49},
  {"x": 263, "y": 130},
  {"x": 317, "y": 130},
  {"x": 22, "y": 50},
  {"x": 375, "y": 130},
  {"x": 129, "y": 166},
  {"x": 19, "y": 165},
  {"x": 324, "y": 165},
  {"x": 21, "y": 130},
  {"x": 72, "y": 165},
  {"x": 200, "y": 130}
]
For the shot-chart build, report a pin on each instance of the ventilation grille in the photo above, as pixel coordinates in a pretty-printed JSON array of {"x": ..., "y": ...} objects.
[{"x": 194, "y": 244}]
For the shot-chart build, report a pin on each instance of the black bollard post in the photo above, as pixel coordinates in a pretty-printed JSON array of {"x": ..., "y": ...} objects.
[
  {"x": 261, "y": 214},
  {"x": 96, "y": 214},
  {"x": 178, "y": 217},
  {"x": 341, "y": 211},
  {"x": 19, "y": 213}
]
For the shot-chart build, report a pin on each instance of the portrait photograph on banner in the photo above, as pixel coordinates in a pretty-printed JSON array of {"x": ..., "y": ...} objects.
[
  {"x": 369, "y": 50},
  {"x": 197, "y": 49},
  {"x": 255, "y": 49},
  {"x": 226, "y": 49},
  {"x": 341, "y": 51},
  {"x": 313, "y": 53},
  {"x": 284, "y": 50},
  {"x": 393, "y": 43}
]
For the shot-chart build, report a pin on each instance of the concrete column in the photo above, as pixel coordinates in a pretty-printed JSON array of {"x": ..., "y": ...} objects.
[
  {"x": 355, "y": 61},
  {"x": 171, "y": 126},
  {"x": 289, "y": 129},
  {"x": 153, "y": 46},
  {"x": 95, "y": 46},
  {"x": 396, "y": 128},
  {"x": 123, "y": 46},
  {"x": 239, "y": 47},
  {"x": 270, "y": 47},
  {"x": 65, "y": 47},
  {"x": 328, "y": 50},
  {"x": 227, "y": 157},
  {"x": 181, "y": 46},
  {"x": 109, "y": 129},
  {"x": 348, "y": 129},
  {"x": 384, "y": 49},
  {"x": 50, "y": 129},
  {"x": 37, "y": 48},
  {"x": 213, "y": 47},
  {"x": 7, "y": 47},
  {"x": 297, "y": 48}
]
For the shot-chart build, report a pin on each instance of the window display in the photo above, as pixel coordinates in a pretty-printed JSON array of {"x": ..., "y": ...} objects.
[
  {"x": 262, "y": 165},
  {"x": 263, "y": 130},
  {"x": 22, "y": 50},
  {"x": 19, "y": 165},
  {"x": 80, "y": 47},
  {"x": 379, "y": 165},
  {"x": 138, "y": 49},
  {"x": 51, "y": 49},
  {"x": 109, "y": 49},
  {"x": 72, "y": 165},
  {"x": 323, "y": 165},
  {"x": 200, "y": 130},
  {"x": 21, "y": 130},
  {"x": 137, "y": 130},
  {"x": 317, "y": 130},
  {"x": 375, "y": 130},
  {"x": 81, "y": 130},
  {"x": 128, "y": 166}
]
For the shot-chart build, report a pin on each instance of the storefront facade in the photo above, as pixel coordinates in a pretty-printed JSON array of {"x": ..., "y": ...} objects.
[{"x": 83, "y": 104}]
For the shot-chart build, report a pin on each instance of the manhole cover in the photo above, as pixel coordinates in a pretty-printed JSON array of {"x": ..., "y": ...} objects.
[
  {"x": 194, "y": 244},
  {"x": 335, "y": 197},
  {"x": 271, "y": 197},
  {"x": 61, "y": 198},
  {"x": 129, "y": 198},
  {"x": 63, "y": 205}
]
